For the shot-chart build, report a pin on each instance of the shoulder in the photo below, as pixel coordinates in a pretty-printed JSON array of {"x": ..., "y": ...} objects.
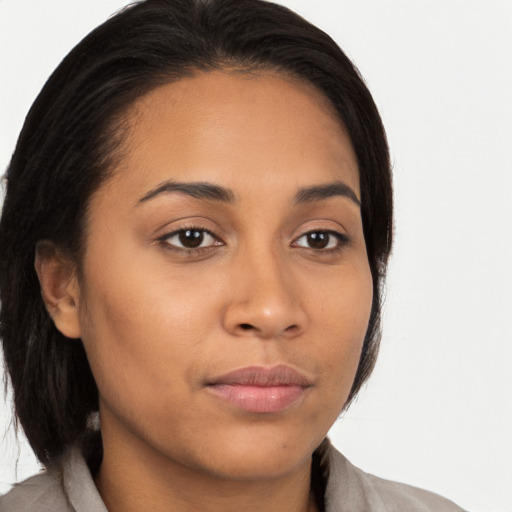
[
  {"x": 70, "y": 488},
  {"x": 41, "y": 493},
  {"x": 405, "y": 497},
  {"x": 363, "y": 492}
]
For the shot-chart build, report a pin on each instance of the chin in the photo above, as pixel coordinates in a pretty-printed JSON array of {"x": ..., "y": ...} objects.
[{"x": 258, "y": 453}]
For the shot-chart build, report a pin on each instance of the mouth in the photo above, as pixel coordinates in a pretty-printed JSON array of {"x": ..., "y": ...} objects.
[{"x": 260, "y": 390}]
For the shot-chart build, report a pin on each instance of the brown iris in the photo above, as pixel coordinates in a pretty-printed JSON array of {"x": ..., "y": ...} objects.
[
  {"x": 191, "y": 238},
  {"x": 318, "y": 240}
]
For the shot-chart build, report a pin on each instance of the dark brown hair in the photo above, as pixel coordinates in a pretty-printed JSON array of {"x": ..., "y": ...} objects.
[{"x": 66, "y": 149}]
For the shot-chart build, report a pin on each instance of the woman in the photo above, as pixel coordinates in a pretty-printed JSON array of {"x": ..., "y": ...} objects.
[{"x": 205, "y": 190}]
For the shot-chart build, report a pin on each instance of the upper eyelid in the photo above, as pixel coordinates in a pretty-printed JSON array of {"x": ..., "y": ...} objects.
[
  {"x": 336, "y": 232},
  {"x": 188, "y": 228},
  {"x": 321, "y": 230},
  {"x": 186, "y": 222},
  {"x": 321, "y": 224},
  {"x": 185, "y": 227}
]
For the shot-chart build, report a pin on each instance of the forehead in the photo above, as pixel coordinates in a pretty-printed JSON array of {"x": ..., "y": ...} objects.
[{"x": 236, "y": 128}]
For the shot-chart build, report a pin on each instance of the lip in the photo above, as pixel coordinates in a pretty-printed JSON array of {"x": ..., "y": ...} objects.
[{"x": 259, "y": 389}]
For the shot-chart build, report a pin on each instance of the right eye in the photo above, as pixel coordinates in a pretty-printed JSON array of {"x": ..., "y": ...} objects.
[{"x": 190, "y": 239}]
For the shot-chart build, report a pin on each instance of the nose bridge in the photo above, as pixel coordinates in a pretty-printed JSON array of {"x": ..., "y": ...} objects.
[
  {"x": 269, "y": 283},
  {"x": 266, "y": 301}
]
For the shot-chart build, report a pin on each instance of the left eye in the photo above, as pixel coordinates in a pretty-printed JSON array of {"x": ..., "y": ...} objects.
[
  {"x": 320, "y": 240},
  {"x": 191, "y": 239}
]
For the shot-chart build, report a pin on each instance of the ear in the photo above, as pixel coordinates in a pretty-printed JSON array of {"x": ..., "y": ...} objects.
[{"x": 59, "y": 287}]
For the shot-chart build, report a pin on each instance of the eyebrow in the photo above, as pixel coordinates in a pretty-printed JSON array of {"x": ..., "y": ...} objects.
[
  {"x": 212, "y": 192},
  {"x": 198, "y": 190},
  {"x": 320, "y": 192}
]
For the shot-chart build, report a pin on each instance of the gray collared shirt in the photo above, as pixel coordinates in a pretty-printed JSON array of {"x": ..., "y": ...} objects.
[{"x": 348, "y": 489}]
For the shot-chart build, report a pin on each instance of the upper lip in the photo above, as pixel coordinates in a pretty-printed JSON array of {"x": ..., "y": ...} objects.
[{"x": 280, "y": 375}]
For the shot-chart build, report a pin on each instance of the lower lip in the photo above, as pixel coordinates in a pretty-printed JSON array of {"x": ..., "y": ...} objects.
[{"x": 258, "y": 398}]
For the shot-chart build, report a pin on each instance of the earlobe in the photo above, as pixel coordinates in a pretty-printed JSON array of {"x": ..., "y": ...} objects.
[{"x": 59, "y": 288}]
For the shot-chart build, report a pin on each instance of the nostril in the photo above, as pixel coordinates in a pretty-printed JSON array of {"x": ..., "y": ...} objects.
[
  {"x": 246, "y": 327},
  {"x": 292, "y": 329}
]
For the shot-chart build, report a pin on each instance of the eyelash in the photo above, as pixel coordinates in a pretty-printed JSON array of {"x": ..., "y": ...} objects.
[{"x": 342, "y": 240}]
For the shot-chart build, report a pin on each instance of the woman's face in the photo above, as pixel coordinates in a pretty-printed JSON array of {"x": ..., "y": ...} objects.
[{"x": 225, "y": 289}]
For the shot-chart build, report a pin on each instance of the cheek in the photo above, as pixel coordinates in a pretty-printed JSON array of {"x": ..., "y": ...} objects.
[
  {"x": 140, "y": 331},
  {"x": 343, "y": 314}
]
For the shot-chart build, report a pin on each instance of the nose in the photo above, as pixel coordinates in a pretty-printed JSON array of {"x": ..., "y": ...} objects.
[{"x": 265, "y": 300}]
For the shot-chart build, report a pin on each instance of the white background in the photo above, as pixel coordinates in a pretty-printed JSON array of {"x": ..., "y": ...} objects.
[{"x": 437, "y": 412}]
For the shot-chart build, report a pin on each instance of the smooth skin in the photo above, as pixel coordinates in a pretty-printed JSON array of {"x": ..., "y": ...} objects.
[{"x": 262, "y": 278}]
